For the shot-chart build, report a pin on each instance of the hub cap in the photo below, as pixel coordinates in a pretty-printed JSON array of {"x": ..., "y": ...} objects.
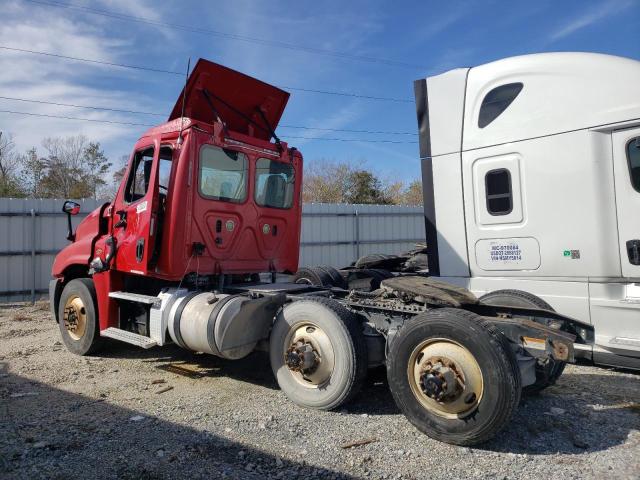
[
  {"x": 308, "y": 355},
  {"x": 445, "y": 377},
  {"x": 75, "y": 317}
]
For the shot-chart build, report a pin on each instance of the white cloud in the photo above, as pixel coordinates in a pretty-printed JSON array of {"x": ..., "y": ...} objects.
[
  {"x": 451, "y": 58},
  {"x": 391, "y": 152},
  {"x": 50, "y": 79},
  {"x": 341, "y": 118},
  {"x": 74, "y": 33},
  {"x": 300, "y": 26},
  {"x": 143, "y": 9},
  {"x": 439, "y": 20},
  {"x": 136, "y": 8},
  {"x": 590, "y": 17}
]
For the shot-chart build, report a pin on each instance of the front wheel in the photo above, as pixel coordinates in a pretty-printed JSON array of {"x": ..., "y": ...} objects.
[
  {"x": 453, "y": 376},
  {"x": 318, "y": 353},
  {"x": 78, "y": 317}
]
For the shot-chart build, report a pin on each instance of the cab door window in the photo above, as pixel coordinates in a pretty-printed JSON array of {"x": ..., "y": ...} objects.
[
  {"x": 140, "y": 176},
  {"x": 164, "y": 176},
  {"x": 275, "y": 182},
  {"x": 164, "y": 169}
]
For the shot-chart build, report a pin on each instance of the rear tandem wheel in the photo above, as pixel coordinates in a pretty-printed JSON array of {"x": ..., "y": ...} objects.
[
  {"x": 320, "y": 275},
  {"x": 453, "y": 376},
  {"x": 318, "y": 353}
]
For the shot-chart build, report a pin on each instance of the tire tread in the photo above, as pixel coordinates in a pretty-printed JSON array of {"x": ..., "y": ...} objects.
[
  {"x": 509, "y": 377},
  {"x": 97, "y": 342},
  {"x": 360, "y": 358}
]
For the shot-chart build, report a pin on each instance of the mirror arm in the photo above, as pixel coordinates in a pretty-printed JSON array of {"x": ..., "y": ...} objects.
[
  {"x": 70, "y": 208},
  {"x": 70, "y": 236}
]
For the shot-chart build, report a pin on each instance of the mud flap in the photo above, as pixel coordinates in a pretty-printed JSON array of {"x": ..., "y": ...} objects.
[
  {"x": 526, "y": 364},
  {"x": 55, "y": 290},
  {"x": 251, "y": 324}
]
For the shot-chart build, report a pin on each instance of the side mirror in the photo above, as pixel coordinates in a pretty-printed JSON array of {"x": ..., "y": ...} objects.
[{"x": 71, "y": 208}]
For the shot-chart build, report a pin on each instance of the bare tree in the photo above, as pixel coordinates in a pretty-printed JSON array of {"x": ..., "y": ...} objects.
[
  {"x": 65, "y": 168},
  {"x": 119, "y": 170},
  {"x": 326, "y": 182},
  {"x": 330, "y": 182},
  {"x": 9, "y": 168},
  {"x": 412, "y": 195}
]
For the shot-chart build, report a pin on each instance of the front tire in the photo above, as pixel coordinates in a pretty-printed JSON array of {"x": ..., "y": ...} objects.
[
  {"x": 548, "y": 372},
  {"x": 318, "y": 353},
  {"x": 453, "y": 376},
  {"x": 78, "y": 317}
]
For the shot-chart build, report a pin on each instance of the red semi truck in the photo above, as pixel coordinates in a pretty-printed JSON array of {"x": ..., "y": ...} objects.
[{"x": 210, "y": 202}]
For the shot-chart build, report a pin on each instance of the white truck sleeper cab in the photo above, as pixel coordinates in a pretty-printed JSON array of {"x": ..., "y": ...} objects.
[{"x": 531, "y": 174}]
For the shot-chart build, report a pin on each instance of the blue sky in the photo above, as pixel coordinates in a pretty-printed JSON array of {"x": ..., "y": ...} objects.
[{"x": 427, "y": 37}]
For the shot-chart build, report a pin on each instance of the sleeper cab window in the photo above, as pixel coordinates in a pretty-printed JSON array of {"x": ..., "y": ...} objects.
[
  {"x": 139, "y": 176},
  {"x": 496, "y": 101},
  {"x": 223, "y": 174},
  {"x": 633, "y": 155},
  {"x": 498, "y": 191},
  {"x": 275, "y": 182}
]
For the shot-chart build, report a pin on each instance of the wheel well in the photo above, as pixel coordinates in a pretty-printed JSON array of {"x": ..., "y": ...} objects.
[
  {"x": 514, "y": 298},
  {"x": 70, "y": 273}
]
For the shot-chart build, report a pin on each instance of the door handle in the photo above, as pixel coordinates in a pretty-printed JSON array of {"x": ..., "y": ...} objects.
[
  {"x": 140, "y": 250},
  {"x": 123, "y": 219},
  {"x": 633, "y": 250}
]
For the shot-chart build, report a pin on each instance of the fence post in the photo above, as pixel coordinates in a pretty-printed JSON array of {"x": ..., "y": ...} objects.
[
  {"x": 33, "y": 256},
  {"x": 357, "y": 229}
]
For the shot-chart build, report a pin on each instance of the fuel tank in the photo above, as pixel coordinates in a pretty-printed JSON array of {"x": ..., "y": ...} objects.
[{"x": 228, "y": 326}]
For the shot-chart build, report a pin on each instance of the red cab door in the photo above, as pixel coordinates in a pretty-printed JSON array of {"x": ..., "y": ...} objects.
[{"x": 135, "y": 214}]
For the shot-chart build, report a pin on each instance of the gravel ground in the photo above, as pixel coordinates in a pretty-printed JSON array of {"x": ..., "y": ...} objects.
[{"x": 167, "y": 413}]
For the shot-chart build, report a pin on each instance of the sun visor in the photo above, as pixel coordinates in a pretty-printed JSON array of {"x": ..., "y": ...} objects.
[{"x": 214, "y": 91}]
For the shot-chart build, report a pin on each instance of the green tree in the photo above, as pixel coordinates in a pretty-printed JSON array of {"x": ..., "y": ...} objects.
[
  {"x": 365, "y": 187},
  {"x": 96, "y": 166},
  {"x": 34, "y": 169}
]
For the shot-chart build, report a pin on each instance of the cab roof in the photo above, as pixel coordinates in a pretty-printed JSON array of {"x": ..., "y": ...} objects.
[{"x": 558, "y": 92}]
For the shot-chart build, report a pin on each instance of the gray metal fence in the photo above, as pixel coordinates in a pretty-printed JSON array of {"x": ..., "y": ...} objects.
[
  {"x": 32, "y": 231},
  {"x": 339, "y": 234}
]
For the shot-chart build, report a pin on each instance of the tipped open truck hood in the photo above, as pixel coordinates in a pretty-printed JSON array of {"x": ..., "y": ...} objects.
[{"x": 228, "y": 91}]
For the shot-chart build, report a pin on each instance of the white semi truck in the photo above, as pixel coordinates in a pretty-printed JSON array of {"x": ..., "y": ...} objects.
[{"x": 531, "y": 180}]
